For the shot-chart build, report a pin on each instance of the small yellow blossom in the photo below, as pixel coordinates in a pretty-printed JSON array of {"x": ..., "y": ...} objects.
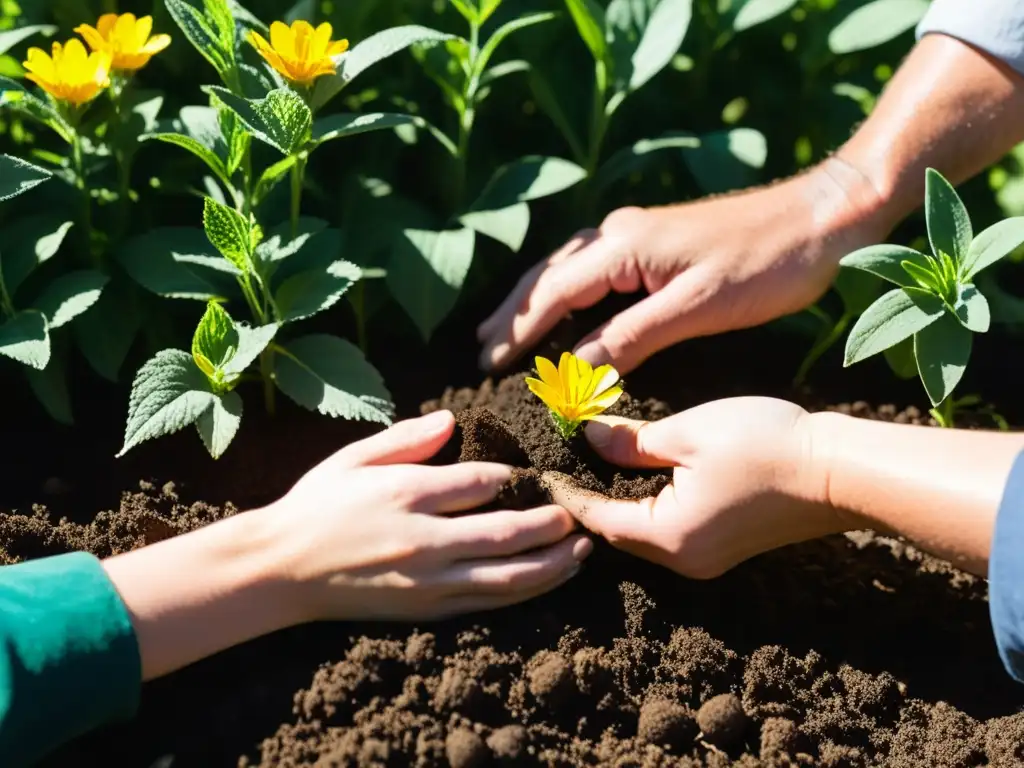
[
  {"x": 300, "y": 53},
  {"x": 126, "y": 39},
  {"x": 69, "y": 73},
  {"x": 575, "y": 391}
]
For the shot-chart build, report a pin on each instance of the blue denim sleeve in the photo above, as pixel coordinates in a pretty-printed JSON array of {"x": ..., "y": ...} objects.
[
  {"x": 1006, "y": 574},
  {"x": 993, "y": 26}
]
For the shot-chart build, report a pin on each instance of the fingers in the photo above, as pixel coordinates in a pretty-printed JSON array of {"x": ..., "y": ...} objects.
[
  {"x": 520, "y": 576},
  {"x": 641, "y": 444},
  {"x": 544, "y": 297},
  {"x": 474, "y": 603},
  {"x": 407, "y": 442},
  {"x": 506, "y": 533},
  {"x": 455, "y": 488}
]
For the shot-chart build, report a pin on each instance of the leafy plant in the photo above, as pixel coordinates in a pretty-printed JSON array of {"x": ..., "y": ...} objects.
[{"x": 930, "y": 317}]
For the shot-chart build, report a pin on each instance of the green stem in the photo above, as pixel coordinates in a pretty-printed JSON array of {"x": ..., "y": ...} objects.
[
  {"x": 124, "y": 159},
  {"x": 467, "y": 117},
  {"x": 6, "y": 305},
  {"x": 83, "y": 188},
  {"x": 298, "y": 176},
  {"x": 821, "y": 346},
  {"x": 598, "y": 119},
  {"x": 945, "y": 413}
]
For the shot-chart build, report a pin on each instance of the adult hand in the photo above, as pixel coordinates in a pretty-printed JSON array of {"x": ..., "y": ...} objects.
[
  {"x": 746, "y": 480},
  {"x": 711, "y": 266},
  {"x": 371, "y": 534}
]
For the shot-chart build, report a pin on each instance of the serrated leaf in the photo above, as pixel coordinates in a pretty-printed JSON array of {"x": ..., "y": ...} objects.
[
  {"x": 189, "y": 144},
  {"x": 501, "y": 34},
  {"x": 11, "y": 37},
  {"x": 949, "y": 226},
  {"x": 27, "y": 243},
  {"x": 942, "y": 349},
  {"x": 280, "y": 245},
  {"x": 316, "y": 253},
  {"x": 728, "y": 160},
  {"x": 281, "y": 119},
  {"x": 17, "y": 176},
  {"x": 368, "y": 52},
  {"x": 898, "y": 314},
  {"x": 204, "y": 38},
  {"x": 50, "y": 386},
  {"x": 754, "y": 12},
  {"x": 215, "y": 340},
  {"x": 508, "y": 225},
  {"x": 344, "y": 124},
  {"x": 235, "y": 138},
  {"x": 426, "y": 273},
  {"x": 875, "y": 23},
  {"x": 158, "y": 261},
  {"x": 972, "y": 309},
  {"x": 886, "y": 261},
  {"x": 168, "y": 394},
  {"x": 309, "y": 293},
  {"x": 662, "y": 37},
  {"x": 105, "y": 333},
  {"x": 26, "y": 338},
  {"x": 17, "y": 98},
  {"x": 991, "y": 245},
  {"x": 330, "y": 375},
  {"x": 228, "y": 232},
  {"x": 632, "y": 158},
  {"x": 590, "y": 23},
  {"x": 70, "y": 295},
  {"x": 251, "y": 343},
  {"x": 219, "y": 423}
]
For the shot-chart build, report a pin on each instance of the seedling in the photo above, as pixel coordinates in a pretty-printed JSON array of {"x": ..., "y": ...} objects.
[
  {"x": 929, "y": 318},
  {"x": 575, "y": 391}
]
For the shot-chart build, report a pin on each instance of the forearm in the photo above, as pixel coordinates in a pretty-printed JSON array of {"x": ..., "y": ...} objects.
[
  {"x": 950, "y": 107},
  {"x": 939, "y": 488},
  {"x": 195, "y": 595}
]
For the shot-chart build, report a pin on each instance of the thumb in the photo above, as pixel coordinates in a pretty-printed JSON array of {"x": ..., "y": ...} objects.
[
  {"x": 407, "y": 442},
  {"x": 632, "y": 443}
]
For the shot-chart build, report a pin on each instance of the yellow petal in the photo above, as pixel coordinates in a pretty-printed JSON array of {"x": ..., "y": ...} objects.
[
  {"x": 303, "y": 38},
  {"x": 40, "y": 64},
  {"x": 548, "y": 395},
  {"x": 156, "y": 44},
  {"x": 605, "y": 377},
  {"x": 75, "y": 54},
  {"x": 124, "y": 31},
  {"x": 600, "y": 404},
  {"x": 92, "y": 37},
  {"x": 321, "y": 41},
  {"x": 106, "y": 24},
  {"x": 282, "y": 39},
  {"x": 337, "y": 48},
  {"x": 143, "y": 28},
  {"x": 566, "y": 370},
  {"x": 547, "y": 372}
]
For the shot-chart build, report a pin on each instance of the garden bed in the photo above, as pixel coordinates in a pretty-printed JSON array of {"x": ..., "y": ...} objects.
[{"x": 855, "y": 650}]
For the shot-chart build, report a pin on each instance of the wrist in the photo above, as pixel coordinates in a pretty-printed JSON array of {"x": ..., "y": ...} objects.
[{"x": 826, "y": 432}]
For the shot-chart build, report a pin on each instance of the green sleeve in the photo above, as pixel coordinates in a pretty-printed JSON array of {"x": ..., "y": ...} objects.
[{"x": 69, "y": 660}]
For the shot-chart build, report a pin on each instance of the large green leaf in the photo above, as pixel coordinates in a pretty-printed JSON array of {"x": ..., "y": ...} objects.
[
  {"x": 26, "y": 338},
  {"x": 528, "y": 178},
  {"x": 309, "y": 293},
  {"x": 501, "y": 34},
  {"x": 17, "y": 98},
  {"x": 991, "y": 245},
  {"x": 754, "y": 12},
  {"x": 508, "y": 225},
  {"x": 898, "y": 314},
  {"x": 728, "y": 160},
  {"x": 70, "y": 295},
  {"x": 942, "y": 350},
  {"x": 344, "y": 124},
  {"x": 662, "y": 37},
  {"x": 206, "y": 37},
  {"x": 972, "y": 309},
  {"x": 633, "y": 158},
  {"x": 189, "y": 144},
  {"x": 426, "y": 273},
  {"x": 219, "y": 423},
  {"x": 875, "y": 23},
  {"x": 949, "y": 226},
  {"x": 251, "y": 343},
  {"x": 590, "y": 23},
  {"x": 886, "y": 261},
  {"x": 17, "y": 176},
  {"x": 281, "y": 119},
  {"x": 157, "y": 260},
  {"x": 50, "y": 386},
  {"x": 11, "y": 37},
  {"x": 27, "y": 243},
  {"x": 106, "y": 332},
  {"x": 330, "y": 375}
]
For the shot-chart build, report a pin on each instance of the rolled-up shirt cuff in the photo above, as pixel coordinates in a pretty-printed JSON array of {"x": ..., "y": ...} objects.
[
  {"x": 1006, "y": 574},
  {"x": 993, "y": 26}
]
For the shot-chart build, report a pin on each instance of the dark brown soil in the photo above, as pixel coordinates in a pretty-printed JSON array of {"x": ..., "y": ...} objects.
[{"x": 853, "y": 651}]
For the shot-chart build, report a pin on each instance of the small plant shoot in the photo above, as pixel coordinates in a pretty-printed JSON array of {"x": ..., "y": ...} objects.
[
  {"x": 575, "y": 391},
  {"x": 931, "y": 314}
]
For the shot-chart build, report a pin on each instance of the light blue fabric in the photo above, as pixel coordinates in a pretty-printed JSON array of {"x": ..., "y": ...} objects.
[
  {"x": 993, "y": 26},
  {"x": 1006, "y": 574}
]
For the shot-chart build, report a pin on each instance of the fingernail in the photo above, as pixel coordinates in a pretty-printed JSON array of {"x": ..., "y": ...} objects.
[
  {"x": 599, "y": 434},
  {"x": 581, "y": 550},
  {"x": 593, "y": 352}
]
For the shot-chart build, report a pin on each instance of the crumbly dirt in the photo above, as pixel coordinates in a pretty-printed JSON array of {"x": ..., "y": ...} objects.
[{"x": 852, "y": 651}]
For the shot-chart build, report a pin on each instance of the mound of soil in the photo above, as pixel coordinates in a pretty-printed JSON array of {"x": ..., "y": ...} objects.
[{"x": 851, "y": 651}]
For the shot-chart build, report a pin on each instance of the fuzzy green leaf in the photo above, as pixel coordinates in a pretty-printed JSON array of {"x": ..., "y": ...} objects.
[
  {"x": 26, "y": 338},
  {"x": 858, "y": 290},
  {"x": 991, "y": 245},
  {"x": 632, "y": 158},
  {"x": 219, "y": 423},
  {"x": 330, "y": 375},
  {"x": 901, "y": 359},
  {"x": 17, "y": 98},
  {"x": 426, "y": 272},
  {"x": 898, "y": 314},
  {"x": 17, "y": 176},
  {"x": 215, "y": 341},
  {"x": 972, "y": 309},
  {"x": 159, "y": 261},
  {"x": 728, "y": 160},
  {"x": 251, "y": 343},
  {"x": 886, "y": 261},
  {"x": 206, "y": 38},
  {"x": 942, "y": 350},
  {"x": 106, "y": 332},
  {"x": 27, "y": 243},
  {"x": 228, "y": 232},
  {"x": 208, "y": 156},
  {"x": 70, "y": 295},
  {"x": 923, "y": 277},
  {"x": 949, "y": 226},
  {"x": 590, "y": 23},
  {"x": 168, "y": 394},
  {"x": 662, "y": 37},
  {"x": 875, "y": 23},
  {"x": 50, "y": 386},
  {"x": 344, "y": 124},
  {"x": 528, "y": 178},
  {"x": 754, "y": 12},
  {"x": 281, "y": 119},
  {"x": 501, "y": 34},
  {"x": 508, "y": 225},
  {"x": 309, "y": 293}
]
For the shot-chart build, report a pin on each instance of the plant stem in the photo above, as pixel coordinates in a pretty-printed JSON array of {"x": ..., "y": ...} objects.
[
  {"x": 598, "y": 120},
  {"x": 124, "y": 158},
  {"x": 945, "y": 412},
  {"x": 821, "y": 346},
  {"x": 298, "y": 174},
  {"x": 83, "y": 188},
  {"x": 6, "y": 305},
  {"x": 467, "y": 117}
]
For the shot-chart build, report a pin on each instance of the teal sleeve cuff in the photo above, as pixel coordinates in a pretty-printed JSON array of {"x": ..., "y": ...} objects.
[{"x": 69, "y": 659}]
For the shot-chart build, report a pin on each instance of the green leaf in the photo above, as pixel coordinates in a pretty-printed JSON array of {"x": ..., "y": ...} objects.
[
  {"x": 228, "y": 232},
  {"x": 215, "y": 340},
  {"x": 27, "y": 243},
  {"x": 498, "y": 71},
  {"x": 281, "y": 119},
  {"x": 251, "y": 343},
  {"x": 886, "y": 261},
  {"x": 632, "y": 158},
  {"x": 11, "y": 37},
  {"x": 949, "y": 226},
  {"x": 991, "y": 245},
  {"x": 754, "y": 12},
  {"x": 70, "y": 295},
  {"x": 858, "y": 290},
  {"x": 272, "y": 175},
  {"x": 508, "y": 225},
  {"x": 168, "y": 394},
  {"x": 728, "y": 160},
  {"x": 972, "y": 309},
  {"x": 875, "y": 23},
  {"x": 898, "y": 314},
  {"x": 105, "y": 333},
  {"x": 15, "y": 97},
  {"x": 662, "y": 37},
  {"x": 205, "y": 38},
  {"x": 17, "y": 176},
  {"x": 501, "y": 34},
  {"x": 923, "y": 277},
  {"x": 343, "y": 124},
  {"x": 50, "y": 386},
  {"x": 590, "y": 23},
  {"x": 942, "y": 350},
  {"x": 26, "y": 338},
  {"x": 219, "y": 423},
  {"x": 901, "y": 359},
  {"x": 280, "y": 245},
  {"x": 468, "y": 12},
  {"x": 309, "y": 293},
  {"x": 487, "y": 7},
  {"x": 370, "y": 51},
  {"x": 235, "y": 138},
  {"x": 208, "y": 156},
  {"x": 528, "y": 178},
  {"x": 551, "y": 104},
  {"x": 160, "y": 262},
  {"x": 426, "y": 273},
  {"x": 330, "y": 375}
]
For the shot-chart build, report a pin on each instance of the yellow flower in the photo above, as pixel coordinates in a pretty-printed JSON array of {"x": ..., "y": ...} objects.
[
  {"x": 299, "y": 52},
  {"x": 69, "y": 73},
  {"x": 126, "y": 39},
  {"x": 575, "y": 391}
]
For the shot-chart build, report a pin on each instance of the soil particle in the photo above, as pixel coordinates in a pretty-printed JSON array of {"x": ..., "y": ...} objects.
[
  {"x": 666, "y": 723},
  {"x": 550, "y": 678},
  {"x": 509, "y": 743},
  {"x": 722, "y": 720},
  {"x": 465, "y": 749},
  {"x": 780, "y": 737},
  {"x": 457, "y": 691}
]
